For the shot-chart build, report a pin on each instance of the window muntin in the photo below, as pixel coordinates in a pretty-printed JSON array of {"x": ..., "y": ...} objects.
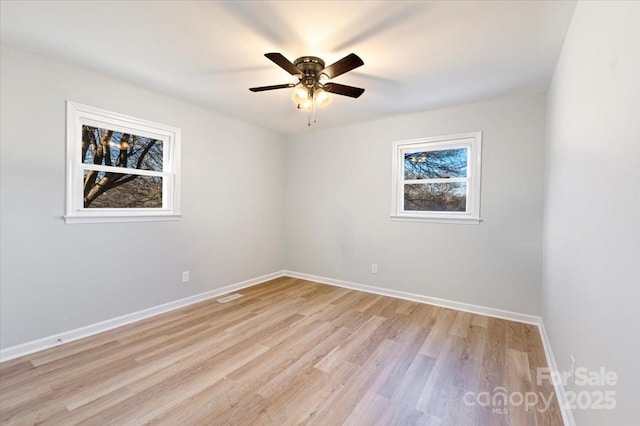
[
  {"x": 437, "y": 179},
  {"x": 120, "y": 168}
]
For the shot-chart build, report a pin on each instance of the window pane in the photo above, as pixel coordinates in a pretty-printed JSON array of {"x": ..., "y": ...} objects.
[
  {"x": 119, "y": 190},
  {"x": 441, "y": 164},
  {"x": 110, "y": 148},
  {"x": 436, "y": 197}
]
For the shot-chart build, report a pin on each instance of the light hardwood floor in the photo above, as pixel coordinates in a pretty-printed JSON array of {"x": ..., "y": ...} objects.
[{"x": 288, "y": 352}]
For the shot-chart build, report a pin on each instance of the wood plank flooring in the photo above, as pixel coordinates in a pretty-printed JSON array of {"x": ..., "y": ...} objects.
[{"x": 289, "y": 352}]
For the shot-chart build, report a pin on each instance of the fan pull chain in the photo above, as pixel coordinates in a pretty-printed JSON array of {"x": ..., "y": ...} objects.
[{"x": 314, "y": 110}]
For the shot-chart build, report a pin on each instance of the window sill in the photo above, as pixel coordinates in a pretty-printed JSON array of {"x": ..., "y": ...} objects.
[
  {"x": 115, "y": 218},
  {"x": 461, "y": 220}
]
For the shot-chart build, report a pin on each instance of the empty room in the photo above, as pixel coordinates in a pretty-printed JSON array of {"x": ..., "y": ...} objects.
[{"x": 319, "y": 212}]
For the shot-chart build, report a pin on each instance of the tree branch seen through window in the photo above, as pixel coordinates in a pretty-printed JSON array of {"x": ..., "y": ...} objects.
[{"x": 128, "y": 151}]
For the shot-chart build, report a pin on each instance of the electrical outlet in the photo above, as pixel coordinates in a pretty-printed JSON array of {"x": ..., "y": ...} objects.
[
  {"x": 185, "y": 276},
  {"x": 374, "y": 268}
]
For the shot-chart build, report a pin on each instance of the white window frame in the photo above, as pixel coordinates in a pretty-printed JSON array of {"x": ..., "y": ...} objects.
[
  {"x": 473, "y": 142},
  {"x": 75, "y": 212}
]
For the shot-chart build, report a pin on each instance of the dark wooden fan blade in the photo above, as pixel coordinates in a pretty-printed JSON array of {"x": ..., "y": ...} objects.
[
  {"x": 341, "y": 89},
  {"x": 283, "y": 63},
  {"x": 277, "y": 86},
  {"x": 349, "y": 62}
]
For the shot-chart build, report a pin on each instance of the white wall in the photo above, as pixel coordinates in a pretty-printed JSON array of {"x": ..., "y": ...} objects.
[
  {"x": 57, "y": 277},
  {"x": 591, "y": 294},
  {"x": 338, "y": 205}
]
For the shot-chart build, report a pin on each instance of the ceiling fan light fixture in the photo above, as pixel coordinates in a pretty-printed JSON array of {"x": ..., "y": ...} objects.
[
  {"x": 321, "y": 97},
  {"x": 300, "y": 95},
  {"x": 306, "y": 104}
]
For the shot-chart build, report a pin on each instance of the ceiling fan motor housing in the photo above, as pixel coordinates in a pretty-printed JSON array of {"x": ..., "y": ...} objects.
[{"x": 310, "y": 67}]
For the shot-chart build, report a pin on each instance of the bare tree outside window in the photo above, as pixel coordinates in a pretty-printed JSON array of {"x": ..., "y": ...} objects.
[
  {"x": 434, "y": 168},
  {"x": 129, "y": 151}
]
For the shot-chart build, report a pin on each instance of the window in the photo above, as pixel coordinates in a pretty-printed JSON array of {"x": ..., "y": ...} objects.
[
  {"x": 437, "y": 179},
  {"x": 120, "y": 168}
]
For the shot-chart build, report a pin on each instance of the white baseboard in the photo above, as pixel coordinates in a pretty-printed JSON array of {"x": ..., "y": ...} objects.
[
  {"x": 460, "y": 306},
  {"x": 567, "y": 414},
  {"x": 89, "y": 330}
]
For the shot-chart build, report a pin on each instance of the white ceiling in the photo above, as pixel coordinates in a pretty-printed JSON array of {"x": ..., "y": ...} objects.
[{"x": 418, "y": 55}]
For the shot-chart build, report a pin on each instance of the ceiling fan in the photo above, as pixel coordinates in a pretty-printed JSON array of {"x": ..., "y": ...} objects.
[{"x": 313, "y": 85}]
